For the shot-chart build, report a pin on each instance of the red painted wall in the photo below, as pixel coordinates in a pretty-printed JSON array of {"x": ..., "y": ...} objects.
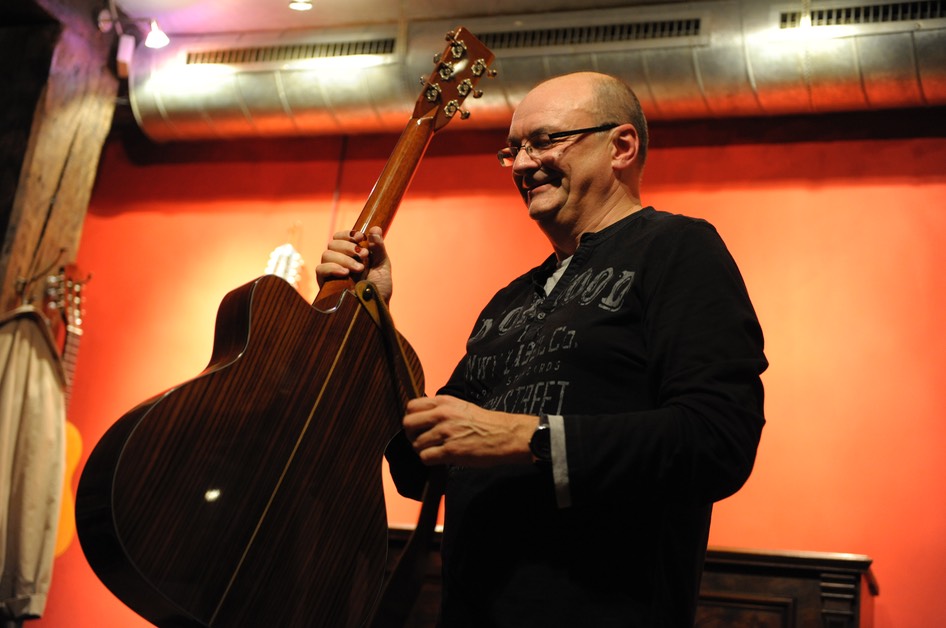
[{"x": 841, "y": 245}]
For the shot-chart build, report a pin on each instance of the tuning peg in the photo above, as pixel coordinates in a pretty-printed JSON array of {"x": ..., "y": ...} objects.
[
  {"x": 458, "y": 49},
  {"x": 432, "y": 94},
  {"x": 477, "y": 93},
  {"x": 446, "y": 70},
  {"x": 437, "y": 58},
  {"x": 480, "y": 67},
  {"x": 451, "y": 108},
  {"x": 464, "y": 114}
]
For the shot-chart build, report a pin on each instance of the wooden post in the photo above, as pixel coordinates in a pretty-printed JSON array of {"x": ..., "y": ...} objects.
[{"x": 58, "y": 121}]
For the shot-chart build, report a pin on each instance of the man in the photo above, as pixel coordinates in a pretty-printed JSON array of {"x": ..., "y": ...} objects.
[{"x": 608, "y": 396}]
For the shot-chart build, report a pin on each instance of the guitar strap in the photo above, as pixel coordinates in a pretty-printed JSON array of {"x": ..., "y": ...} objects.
[{"x": 403, "y": 585}]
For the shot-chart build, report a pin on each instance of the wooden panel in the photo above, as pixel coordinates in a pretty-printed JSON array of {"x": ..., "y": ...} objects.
[
  {"x": 823, "y": 589},
  {"x": 758, "y": 611}
]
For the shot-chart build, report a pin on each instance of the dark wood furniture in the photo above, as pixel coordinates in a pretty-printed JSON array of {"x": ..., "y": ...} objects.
[
  {"x": 786, "y": 589},
  {"x": 741, "y": 588}
]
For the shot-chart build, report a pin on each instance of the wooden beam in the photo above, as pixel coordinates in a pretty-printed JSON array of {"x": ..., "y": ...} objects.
[{"x": 69, "y": 116}]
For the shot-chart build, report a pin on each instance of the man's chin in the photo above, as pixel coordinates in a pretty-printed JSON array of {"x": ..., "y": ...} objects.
[
  {"x": 541, "y": 212},
  {"x": 541, "y": 201}
]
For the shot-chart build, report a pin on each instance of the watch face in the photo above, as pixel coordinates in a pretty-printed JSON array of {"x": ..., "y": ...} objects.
[{"x": 540, "y": 445}]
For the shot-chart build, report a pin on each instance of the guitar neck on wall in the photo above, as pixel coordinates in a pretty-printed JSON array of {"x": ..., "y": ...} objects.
[{"x": 63, "y": 306}]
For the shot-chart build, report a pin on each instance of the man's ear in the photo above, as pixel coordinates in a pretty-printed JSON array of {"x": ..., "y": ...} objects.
[{"x": 625, "y": 146}]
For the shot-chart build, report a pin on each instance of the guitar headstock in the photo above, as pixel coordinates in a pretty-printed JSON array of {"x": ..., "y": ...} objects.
[
  {"x": 63, "y": 301},
  {"x": 286, "y": 262},
  {"x": 457, "y": 71}
]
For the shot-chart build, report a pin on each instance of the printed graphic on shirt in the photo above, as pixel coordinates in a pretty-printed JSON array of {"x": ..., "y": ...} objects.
[{"x": 524, "y": 375}]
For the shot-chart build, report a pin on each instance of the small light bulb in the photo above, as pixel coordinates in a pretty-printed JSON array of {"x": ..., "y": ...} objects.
[
  {"x": 156, "y": 37},
  {"x": 300, "y": 5}
]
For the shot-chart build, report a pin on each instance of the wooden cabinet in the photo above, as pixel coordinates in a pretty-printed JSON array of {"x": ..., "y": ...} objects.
[
  {"x": 741, "y": 588},
  {"x": 780, "y": 589}
]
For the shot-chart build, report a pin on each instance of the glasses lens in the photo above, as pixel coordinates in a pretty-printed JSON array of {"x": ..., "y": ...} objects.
[
  {"x": 540, "y": 143},
  {"x": 507, "y": 156}
]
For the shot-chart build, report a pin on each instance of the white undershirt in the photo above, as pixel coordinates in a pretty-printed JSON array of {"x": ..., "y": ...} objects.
[{"x": 557, "y": 423}]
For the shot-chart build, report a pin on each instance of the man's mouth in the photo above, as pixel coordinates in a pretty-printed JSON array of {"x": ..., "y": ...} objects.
[{"x": 533, "y": 186}]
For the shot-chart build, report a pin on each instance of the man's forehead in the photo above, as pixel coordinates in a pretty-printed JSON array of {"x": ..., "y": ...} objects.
[{"x": 557, "y": 98}]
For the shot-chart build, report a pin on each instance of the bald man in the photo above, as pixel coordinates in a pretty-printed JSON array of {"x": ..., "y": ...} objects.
[{"x": 608, "y": 397}]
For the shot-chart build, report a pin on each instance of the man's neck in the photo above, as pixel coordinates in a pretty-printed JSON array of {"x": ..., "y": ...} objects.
[{"x": 566, "y": 238}]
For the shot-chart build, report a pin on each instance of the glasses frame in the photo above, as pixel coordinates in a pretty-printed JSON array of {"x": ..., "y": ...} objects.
[{"x": 507, "y": 156}]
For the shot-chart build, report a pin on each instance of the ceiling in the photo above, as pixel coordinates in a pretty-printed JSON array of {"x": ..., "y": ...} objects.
[
  {"x": 239, "y": 68},
  {"x": 221, "y": 16}
]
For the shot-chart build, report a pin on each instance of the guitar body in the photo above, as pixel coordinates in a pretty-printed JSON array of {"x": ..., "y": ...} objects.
[{"x": 217, "y": 503}]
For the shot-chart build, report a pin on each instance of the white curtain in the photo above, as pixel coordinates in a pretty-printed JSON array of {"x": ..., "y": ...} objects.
[{"x": 32, "y": 460}]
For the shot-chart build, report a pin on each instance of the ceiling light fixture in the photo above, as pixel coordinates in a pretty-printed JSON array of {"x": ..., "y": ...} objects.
[
  {"x": 156, "y": 38},
  {"x": 109, "y": 20},
  {"x": 300, "y": 5}
]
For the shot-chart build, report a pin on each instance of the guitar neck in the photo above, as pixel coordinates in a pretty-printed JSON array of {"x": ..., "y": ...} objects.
[
  {"x": 387, "y": 193},
  {"x": 385, "y": 197},
  {"x": 70, "y": 353},
  {"x": 457, "y": 70}
]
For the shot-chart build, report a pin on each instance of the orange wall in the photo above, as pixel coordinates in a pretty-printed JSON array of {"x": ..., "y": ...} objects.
[{"x": 841, "y": 245}]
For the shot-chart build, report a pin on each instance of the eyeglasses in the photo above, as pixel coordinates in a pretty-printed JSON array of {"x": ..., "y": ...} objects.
[{"x": 540, "y": 143}]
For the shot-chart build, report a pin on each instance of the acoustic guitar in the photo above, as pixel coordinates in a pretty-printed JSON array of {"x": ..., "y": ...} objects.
[
  {"x": 251, "y": 495},
  {"x": 63, "y": 301}
]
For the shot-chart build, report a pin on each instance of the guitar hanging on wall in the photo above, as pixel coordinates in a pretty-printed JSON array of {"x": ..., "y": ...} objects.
[
  {"x": 251, "y": 495},
  {"x": 64, "y": 298}
]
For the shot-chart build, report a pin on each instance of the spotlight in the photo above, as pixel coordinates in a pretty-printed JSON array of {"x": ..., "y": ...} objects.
[{"x": 156, "y": 38}]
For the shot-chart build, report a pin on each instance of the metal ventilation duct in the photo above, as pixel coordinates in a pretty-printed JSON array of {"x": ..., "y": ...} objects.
[{"x": 685, "y": 60}]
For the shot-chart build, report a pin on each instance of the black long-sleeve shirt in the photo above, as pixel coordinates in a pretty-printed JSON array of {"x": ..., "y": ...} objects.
[{"x": 650, "y": 350}]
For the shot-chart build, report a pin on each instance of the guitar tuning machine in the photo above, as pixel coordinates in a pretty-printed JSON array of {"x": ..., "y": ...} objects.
[
  {"x": 452, "y": 108},
  {"x": 465, "y": 88},
  {"x": 480, "y": 67},
  {"x": 457, "y": 46},
  {"x": 433, "y": 91},
  {"x": 458, "y": 49},
  {"x": 446, "y": 70}
]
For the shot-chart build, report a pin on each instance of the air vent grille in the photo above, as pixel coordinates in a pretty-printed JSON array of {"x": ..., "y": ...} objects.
[
  {"x": 292, "y": 52},
  {"x": 868, "y": 14},
  {"x": 593, "y": 34}
]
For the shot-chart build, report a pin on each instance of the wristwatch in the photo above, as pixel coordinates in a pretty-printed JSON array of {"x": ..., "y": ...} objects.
[{"x": 540, "y": 444}]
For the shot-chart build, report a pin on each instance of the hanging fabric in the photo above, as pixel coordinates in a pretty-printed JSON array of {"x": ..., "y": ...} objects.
[{"x": 32, "y": 460}]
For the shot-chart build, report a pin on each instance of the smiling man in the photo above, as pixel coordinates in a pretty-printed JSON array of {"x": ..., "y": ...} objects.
[
  {"x": 609, "y": 396},
  {"x": 590, "y": 188}
]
